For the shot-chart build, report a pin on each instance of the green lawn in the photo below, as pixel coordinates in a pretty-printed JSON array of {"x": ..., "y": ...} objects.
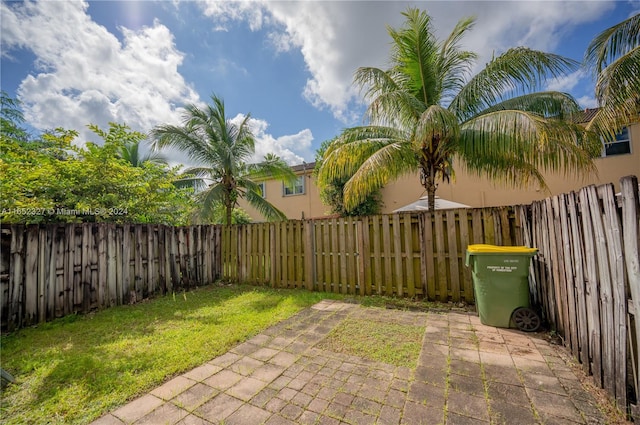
[{"x": 75, "y": 369}]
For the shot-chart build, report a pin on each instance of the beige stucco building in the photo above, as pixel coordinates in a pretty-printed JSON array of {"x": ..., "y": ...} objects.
[{"x": 619, "y": 159}]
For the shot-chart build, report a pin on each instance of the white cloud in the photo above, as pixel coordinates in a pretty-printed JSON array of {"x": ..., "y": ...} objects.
[
  {"x": 335, "y": 38},
  {"x": 566, "y": 83},
  {"x": 292, "y": 148},
  {"x": 86, "y": 75},
  {"x": 587, "y": 102},
  {"x": 223, "y": 11}
]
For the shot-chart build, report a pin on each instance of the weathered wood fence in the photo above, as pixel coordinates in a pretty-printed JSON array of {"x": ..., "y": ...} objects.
[
  {"x": 586, "y": 279},
  {"x": 408, "y": 254},
  {"x": 54, "y": 270}
]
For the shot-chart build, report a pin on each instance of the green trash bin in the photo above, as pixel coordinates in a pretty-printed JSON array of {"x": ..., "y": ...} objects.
[{"x": 501, "y": 285}]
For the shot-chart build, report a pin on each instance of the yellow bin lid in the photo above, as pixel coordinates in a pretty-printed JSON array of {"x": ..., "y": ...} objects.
[{"x": 484, "y": 248}]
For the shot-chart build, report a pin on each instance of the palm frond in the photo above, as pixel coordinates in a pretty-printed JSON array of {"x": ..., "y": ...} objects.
[
  {"x": 384, "y": 165},
  {"x": 415, "y": 54},
  {"x": 617, "y": 40},
  {"x": 277, "y": 170},
  {"x": 183, "y": 139},
  {"x": 548, "y": 104},
  {"x": 543, "y": 144},
  {"x": 390, "y": 103},
  {"x": 269, "y": 211},
  {"x": 210, "y": 197},
  {"x": 515, "y": 72},
  {"x": 510, "y": 170},
  {"x": 346, "y": 154},
  {"x": 618, "y": 91},
  {"x": 454, "y": 63}
]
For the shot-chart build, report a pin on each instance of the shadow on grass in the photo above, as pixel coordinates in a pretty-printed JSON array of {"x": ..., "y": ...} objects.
[{"x": 74, "y": 369}]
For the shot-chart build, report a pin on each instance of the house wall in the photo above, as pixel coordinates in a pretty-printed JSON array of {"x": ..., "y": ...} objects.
[
  {"x": 306, "y": 205},
  {"x": 464, "y": 188},
  {"x": 481, "y": 192}
]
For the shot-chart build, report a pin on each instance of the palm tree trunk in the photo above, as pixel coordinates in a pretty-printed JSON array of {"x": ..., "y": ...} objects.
[
  {"x": 229, "y": 209},
  {"x": 429, "y": 184}
]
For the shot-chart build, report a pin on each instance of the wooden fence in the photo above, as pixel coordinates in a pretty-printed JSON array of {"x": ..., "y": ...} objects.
[
  {"x": 409, "y": 254},
  {"x": 586, "y": 278},
  {"x": 51, "y": 271}
]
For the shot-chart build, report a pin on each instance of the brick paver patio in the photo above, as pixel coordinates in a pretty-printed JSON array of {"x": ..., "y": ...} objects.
[{"x": 467, "y": 373}]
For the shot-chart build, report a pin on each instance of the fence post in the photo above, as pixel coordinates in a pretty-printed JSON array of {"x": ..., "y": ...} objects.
[{"x": 309, "y": 255}]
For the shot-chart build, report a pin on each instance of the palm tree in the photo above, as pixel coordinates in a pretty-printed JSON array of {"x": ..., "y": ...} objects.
[
  {"x": 614, "y": 56},
  {"x": 130, "y": 152},
  {"x": 425, "y": 111},
  {"x": 221, "y": 149}
]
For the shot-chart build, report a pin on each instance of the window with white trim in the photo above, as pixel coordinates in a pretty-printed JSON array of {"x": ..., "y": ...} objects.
[
  {"x": 263, "y": 189},
  {"x": 295, "y": 189},
  {"x": 620, "y": 146}
]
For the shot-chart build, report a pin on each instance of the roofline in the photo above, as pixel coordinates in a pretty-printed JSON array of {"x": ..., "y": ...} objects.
[{"x": 303, "y": 167}]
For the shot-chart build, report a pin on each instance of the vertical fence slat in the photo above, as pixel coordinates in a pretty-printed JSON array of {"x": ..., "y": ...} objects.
[
  {"x": 613, "y": 237},
  {"x": 429, "y": 255},
  {"x": 319, "y": 259},
  {"x": 559, "y": 273},
  {"x": 454, "y": 256},
  {"x": 362, "y": 238},
  {"x": 386, "y": 246},
  {"x": 580, "y": 292},
  {"x": 352, "y": 251},
  {"x": 31, "y": 276},
  {"x": 16, "y": 274},
  {"x": 569, "y": 278},
  {"x": 467, "y": 282},
  {"x": 377, "y": 254},
  {"x": 630, "y": 200},
  {"x": 309, "y": 254},
  {"x": 397, "y": 256},
  {"x": 342, "y": 256},
  {"x": 593, "y": 304},
  {"x": 606, "y": 296},
  {"x": 273, "y": 254},
  {"x": 53, "y": 272},
  {"x": 44, "y": 252},
  {"x": 442, "y": 278},
  {"x": 408, "y": 254}
]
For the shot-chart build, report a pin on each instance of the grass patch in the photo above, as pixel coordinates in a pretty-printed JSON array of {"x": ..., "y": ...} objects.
[
  {"x": 390, "y": 343},
  {"x": 77, "y": 368}
]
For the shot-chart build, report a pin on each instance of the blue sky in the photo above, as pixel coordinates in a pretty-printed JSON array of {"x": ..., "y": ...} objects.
[{"x": 289, "y": 64}]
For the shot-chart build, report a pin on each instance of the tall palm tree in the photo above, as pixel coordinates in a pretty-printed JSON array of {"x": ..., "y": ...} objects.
[
  {"x": 221, "y": 149},
  {"x": 614, "y": 57},
  {"x": 425, "y": 111}
]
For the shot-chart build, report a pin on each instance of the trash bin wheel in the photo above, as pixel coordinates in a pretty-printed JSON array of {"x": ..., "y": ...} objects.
[{"x": 526, "y": 319}]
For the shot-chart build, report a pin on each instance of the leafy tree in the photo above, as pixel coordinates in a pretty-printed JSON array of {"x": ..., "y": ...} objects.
[
  {"x": 614, "y": 57},
  {"x": 221, "y": 149},
  {"x": 11, "y": 118},
  {"x": 332, "y": 194},
  {"x": 67, "y": 183},
  {"x": 425, "y": 111}
]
